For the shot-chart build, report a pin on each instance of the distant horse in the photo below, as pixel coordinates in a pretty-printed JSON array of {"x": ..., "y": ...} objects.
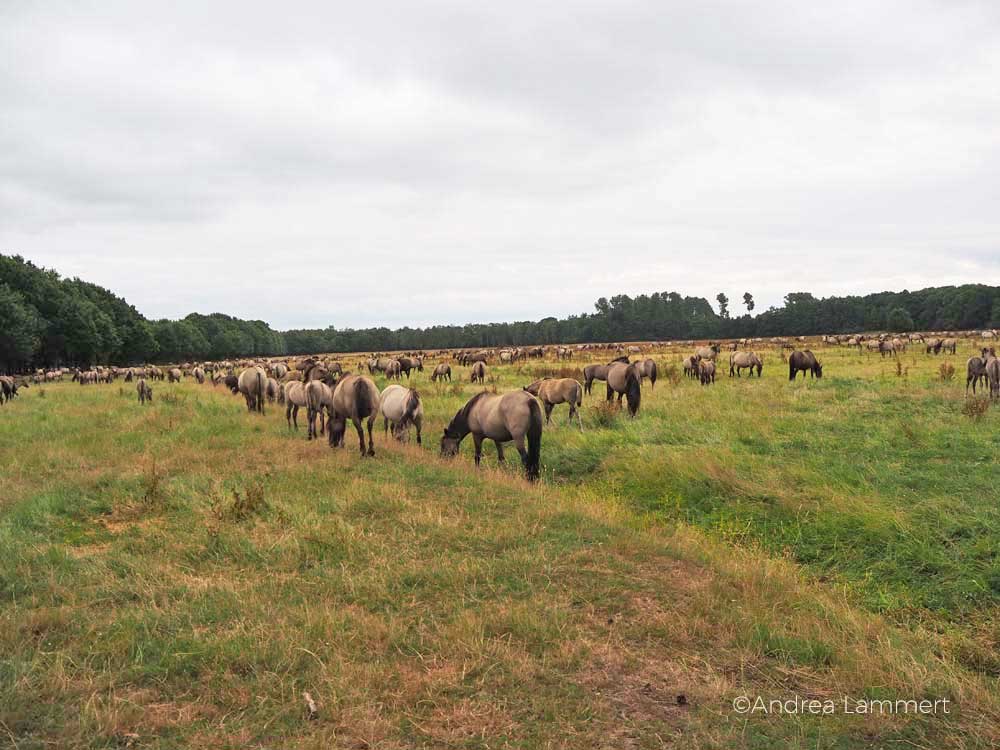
[
  {"x": 552, "y": 391},
  {"x": 401, "y": 407},
  {"x": 144, "y": 392},
  {"x": 706, "y": 371},
  {"x": 709, "y": 352},
  {"x": 501, "y": 418},
  {"x": 9, "y": 387},
  {"x": 393, "y": 370},
  {"x": 272, "y": 390},
  {"x": 624, "y": 380},
  {"x": 949, "y": 345},
  {"x": 598, "y": 372},
  {"x": 295, "y": 398},
  {"x": 356, "y": 397},
  {"x": 252, "y": 383},
  {"x": 174, "y": 375},
  {"x": 199, "y": 375},
  {"x": 648, "y": 370},
  {"x": 410, "y": 363},
  {"x": 691, "y": 365},
  {"x": 479, "y": 372},
  {"x": 441, "y": 372},
  {"x": 319, "y": 397},
  {"x": 745, "y": 361},
  {"x": 804, "y": 361}
]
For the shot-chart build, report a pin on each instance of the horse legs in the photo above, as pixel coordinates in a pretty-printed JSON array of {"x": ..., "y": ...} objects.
[
  {"x": 519, "y": 444},
  {"x": 500, "y": 456},
  {"x": 418, "y": 423},
  {"x": 478, "y": 442},
  {"x": 611, "y": 393},
  {"x": 361, "y": 434},
  {"x": 385, "y": 425},
  {"x": 548, "y": 412},
  {"x": 573, "y": 410},
  {"x": 371, "y": 442},
  {"x": 295, "y": 416}
]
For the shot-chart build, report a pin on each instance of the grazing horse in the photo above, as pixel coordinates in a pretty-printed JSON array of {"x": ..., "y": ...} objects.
[
  {"x": 744, "y": 361},
  {"x": 598, "y": 372},
  {"x": 393, "y": 371},
  {"x": 623, "y": 379},
  {"x": 441, "y": 372},
  {"x": 199, "y": 375},
  {"x": 552, "y": 391},
  {"x": 272, "y": 390},
  {"x": 934, "y": 345},
  {"x": 709, "y": 352},
  {"x": 804, "y": 361},
  {"x": 410, "y": 363},
  {"x": 143, "y": 391},
  {"x": 706, "y": 371},
  {"x": 648, "y": 370},
  {"x": 174, "y": 375},
  {"x": 401, "y": 407},
  {"x": 252, "y": 383},
  {"x": 479, "y": 372},
  {"x": 501, "y": 418},
  {"x": 295, "y": 397},
  {"x": 356, "y": 397},
  {"x": 319, "y": 396}
]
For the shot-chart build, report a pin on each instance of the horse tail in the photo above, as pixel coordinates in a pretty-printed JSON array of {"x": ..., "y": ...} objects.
[
  {"x": 652, "y": 375},
  {"x": 633, "y": 391},
  {"x": 363, "y": 405},
  {"x": 579, "y": 395},
  {"x": 534, "y": 435},
  {"x": 410, "y": 410},
  {"x": 261, "y": 390}
]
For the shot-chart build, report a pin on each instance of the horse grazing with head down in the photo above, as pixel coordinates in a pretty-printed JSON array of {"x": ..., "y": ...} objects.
[
  {"x": 356, "y": 398},
  {"x": 441, "y": 372},
  {"x": 143, "y": 391},
  {"x": 501, "y": 418},
  {"x": 252, "y": 383},
  {"x": 401, "y": 407},
  {"x": 804, "y": 361},
  {"x": 624, "y": 380},
  {"x": 479, "y": 372},
  {"x": 745, "y": 361},
  {"x": 552, "y": 391}
]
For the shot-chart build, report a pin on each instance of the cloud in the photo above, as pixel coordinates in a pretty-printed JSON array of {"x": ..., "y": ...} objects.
[{"x": 416, "y": 163}]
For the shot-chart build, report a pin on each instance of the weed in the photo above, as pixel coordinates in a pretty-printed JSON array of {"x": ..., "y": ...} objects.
[
  {"x": 976, "y": 406},
  {"x": 606, "y": 413},
  {"x": 946, "y": 371}
]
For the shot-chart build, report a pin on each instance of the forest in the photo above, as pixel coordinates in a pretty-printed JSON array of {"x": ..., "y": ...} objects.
[{"x": 47, "y": 320}]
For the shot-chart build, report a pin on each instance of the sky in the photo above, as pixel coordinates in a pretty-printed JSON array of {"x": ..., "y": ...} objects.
[{"x": 413, "y": 163}]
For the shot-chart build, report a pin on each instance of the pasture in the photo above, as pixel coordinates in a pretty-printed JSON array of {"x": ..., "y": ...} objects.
[{"x": 182, "y": 574}]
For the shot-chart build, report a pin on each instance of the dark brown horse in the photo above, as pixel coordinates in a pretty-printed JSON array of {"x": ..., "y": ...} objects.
[{"x": 804, "y": 361}]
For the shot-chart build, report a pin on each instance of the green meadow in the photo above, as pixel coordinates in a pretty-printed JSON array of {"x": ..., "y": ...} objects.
[{"x": 187, "y": 574}]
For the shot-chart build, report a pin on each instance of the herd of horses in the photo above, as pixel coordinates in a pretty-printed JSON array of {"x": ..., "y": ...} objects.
[{"x": 332, "y": 398}]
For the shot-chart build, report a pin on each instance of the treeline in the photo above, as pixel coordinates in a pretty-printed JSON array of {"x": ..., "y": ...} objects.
[{"x": 46, "y": 320}]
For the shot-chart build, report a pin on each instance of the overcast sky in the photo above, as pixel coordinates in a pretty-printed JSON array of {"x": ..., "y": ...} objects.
[{"x": 374, "y": 163}]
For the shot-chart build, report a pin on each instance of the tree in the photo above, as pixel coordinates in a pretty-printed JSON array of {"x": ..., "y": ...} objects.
[
  {"x": 723, "y": 301},
  {"x": 20, "y": 329},
  {"x": 748, "y": 301},
  {"x": 899, "y": 319}
]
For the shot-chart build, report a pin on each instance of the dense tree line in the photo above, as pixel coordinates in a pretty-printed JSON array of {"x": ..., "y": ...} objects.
[{"x": 46, "y": 321}]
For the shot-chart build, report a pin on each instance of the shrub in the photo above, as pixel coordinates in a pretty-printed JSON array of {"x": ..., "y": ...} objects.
[
  {"x": 946, "y": 371},
  {"x": 976, "y": 406},
  {"x": 606, "y": 413}
]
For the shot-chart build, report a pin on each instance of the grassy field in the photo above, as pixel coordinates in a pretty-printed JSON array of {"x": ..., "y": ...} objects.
[{"x": 181, "y": 575}]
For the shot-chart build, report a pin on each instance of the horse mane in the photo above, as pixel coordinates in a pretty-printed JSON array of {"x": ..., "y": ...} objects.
[
  {"x": 412, "y": 404},
  {"x": 623, "y": 358},
  {"x": 458, "y": 427}
]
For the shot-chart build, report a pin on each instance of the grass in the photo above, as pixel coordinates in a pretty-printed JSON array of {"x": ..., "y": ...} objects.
[{"x": 181, "y": 574}]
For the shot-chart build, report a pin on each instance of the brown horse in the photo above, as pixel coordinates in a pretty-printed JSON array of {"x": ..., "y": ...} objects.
[
  {"x": 706, "y": 371},
  {"x": 552, "y": 391},
  {"x": 598, "y": 372},
  {"x": 479, "y": 372},
  {"x": 295, "y": 398},
  {"x": 648, "y": 370},
  {"x": 975, "y": 370},
  {"x": 356, "y": 397},
  {"x": 624, "y": 380},
  {"x": 501, "y": 418},
  {"x": 804, "y": 361},
  {"x": 252, "y": 383},
  {"x": 144, "y": 392},
  {"x": 745, "y": 361},
  {"x": 441, "y": 372},
  {"x": 319, "y": 397}
]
